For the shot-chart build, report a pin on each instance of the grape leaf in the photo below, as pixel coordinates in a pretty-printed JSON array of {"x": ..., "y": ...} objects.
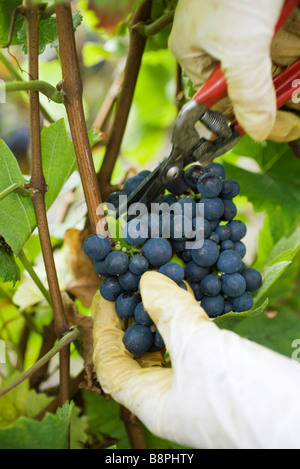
[
  {"x": 104, "y": 418},
  {"x": 59, "y": 160},
  {"x": 20, "y": 401},
  {"x": 6, "y": 11},
  {"x": 276, "y": 190},
  {"x": 47, "y": 32},
  {"x": 231, "y": 320},
  {"x": 9, "y": 270},
  {"x": 17, "y": 218},
  {"x": 276, "y": 333},
  {"x": 50, "y": 433}
]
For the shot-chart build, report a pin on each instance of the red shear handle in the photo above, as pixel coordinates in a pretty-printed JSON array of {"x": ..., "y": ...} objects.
[{"x": 215, "y": 88}]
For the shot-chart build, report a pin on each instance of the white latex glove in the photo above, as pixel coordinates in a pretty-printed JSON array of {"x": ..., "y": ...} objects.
[
  {"x": 222, "y": 391},
  {"x": 239, "y": 34}
]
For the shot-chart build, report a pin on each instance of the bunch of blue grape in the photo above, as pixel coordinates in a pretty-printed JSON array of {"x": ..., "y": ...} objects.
[{"x": 215, "y": 272}]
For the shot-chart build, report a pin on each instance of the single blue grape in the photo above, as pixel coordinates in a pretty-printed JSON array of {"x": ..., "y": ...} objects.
[
  {"x": 209, "y": 185},
  {"x": 138, "y": 339},
  {"x": 178, "y": 245},
  {"x": 227, "y": 307},
  {"x": 170, "y": 199},
  {"x": 207, "y": 255},
  {"x": 187, "y": 255},
  {"x": 223, "y": 231},
  {"x": 238, "y": 230},
  {"x": 179, "y": 185},
  {"x": 226, "y": 187},
  {"x": 253, "y": 279},
  {"x": 173, "y": 270},
  {"x": 157, "y": 251},
  {"x": 141, "y": 316},
  {"x": 229, "y": 261},
  {"x": 129, "y": 281},
  {"x": 242, "y": 303},
  {"x": 203, "y": 224},
  {"x": 181, "y": 228},
  {"x": 233, "y": 285},
  {"x": 194, "y": 272},
  {"x": 126, "y": 303},
  {"x": 96, "y": 247},
  {"x": 135, "y": 232},
  {"x": 227, "y": 244},
  {"x": 131, "y": 184},
  {"x": 114, "y": 198},
  {"x": 233, "y": 192},
  {"x": 195, "y": 286},
  {"x": 188, "y": 206},
  {"x": 213, "y": 305},
  {"x": 217, "y": 169},
  {"x": 214, "y": 237},
  {"x": 230, "y": 210},
  {"x": 158, "y": 340},
  {"x": 193, "y": 173},
  {"x": 213, "y": 208},
  {"x": 144, "y": 173},
  {"x": 100, "y": 268},
  {"x": 240, "y": 247},
  {"x": 110, "y": 288},
  {"x": 116, "y": 262},
  {"x": 214, "y": 224},
  {"x": 211, "y": 285},
  {"x": 138, "y": 264}
]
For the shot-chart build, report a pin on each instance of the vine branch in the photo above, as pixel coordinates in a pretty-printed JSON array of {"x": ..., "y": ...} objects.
[
  {"x": 72, "y": 89},
  {"x": 35, "y": 85},
  {"x": 38, "y": 184},
  {"x": 61, "y": 344},
  {"x": 132, "y": 67}
]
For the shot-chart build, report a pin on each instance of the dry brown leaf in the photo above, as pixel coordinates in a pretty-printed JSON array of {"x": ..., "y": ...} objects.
[{"x": 84, "y": 280}]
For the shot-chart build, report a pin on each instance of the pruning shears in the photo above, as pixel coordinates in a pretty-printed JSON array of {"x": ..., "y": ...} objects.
[{"x": 188, "y": 147}]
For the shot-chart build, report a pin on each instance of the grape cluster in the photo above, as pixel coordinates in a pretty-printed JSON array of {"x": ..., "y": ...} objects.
[{"x": 215, "y": 270}]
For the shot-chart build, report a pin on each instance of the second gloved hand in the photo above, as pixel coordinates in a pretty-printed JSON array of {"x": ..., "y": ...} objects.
[
  {"x": 240, "y": 34},
  {"x": 221, "y": 392}
]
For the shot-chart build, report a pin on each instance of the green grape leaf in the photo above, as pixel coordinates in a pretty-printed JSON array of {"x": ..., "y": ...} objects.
[
  {"x": 59, "y": 160},
  {"x": 9, "y": 270},
  {"x": 47, "y": 32},
  {"x": 104, "y": 418},
  {"x": 276, "y": 332},
  {"x": 275, "y": 190},
  {"x": 20, "y": 401},
  {"x": 50, "y": 433},
  {"x": 231, "y": 320},
  {"x": 17, "y": 218},
  {"x": 6, "y": 11}
]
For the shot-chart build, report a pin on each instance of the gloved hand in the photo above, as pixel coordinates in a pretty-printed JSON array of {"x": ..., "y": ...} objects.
[
  {"x": 239, "y": 34},
  {"x": 222, "y": 391}
]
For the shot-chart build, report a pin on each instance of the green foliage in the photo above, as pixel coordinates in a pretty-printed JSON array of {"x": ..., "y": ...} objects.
[
  {"x": 9, "y": 270},
  {"x": 47, "y": 32},
  {"x": 17, "y": 218},
  {"x": 6, "y": 10},
  {"x": 50, "y": 433}
]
